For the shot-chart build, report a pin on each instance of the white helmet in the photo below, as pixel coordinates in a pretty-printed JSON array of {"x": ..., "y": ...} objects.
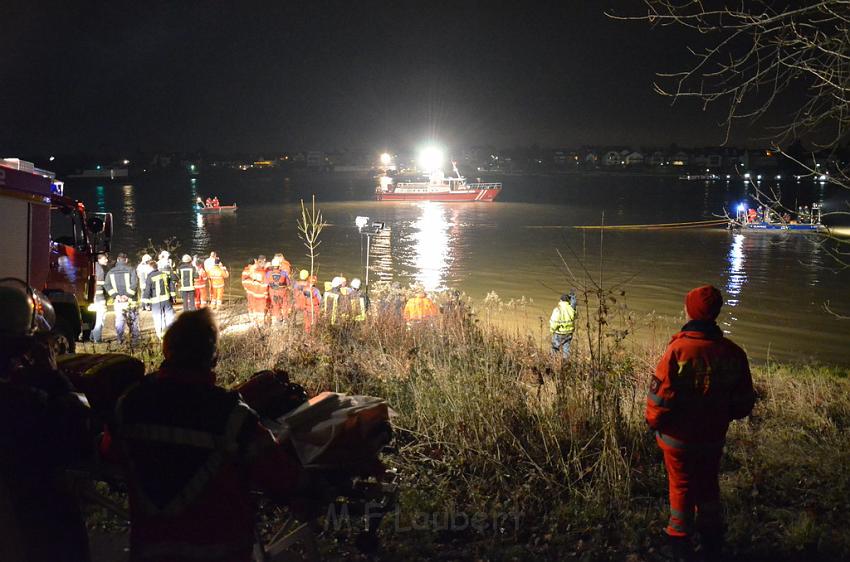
[
  {"x": 146, "y": 258},
  {"x": 336, "y": 282},
  {"x": 186, "y": 258},
  {"x": 355, "y": 283},
  {"x": 164, "y": 255}
]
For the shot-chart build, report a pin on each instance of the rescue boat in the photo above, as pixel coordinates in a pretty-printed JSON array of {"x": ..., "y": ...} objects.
[
  {"x": 437, "y": 188},
  {"x": 220, "y": 210},
  {"x": 768, "y": 220}
]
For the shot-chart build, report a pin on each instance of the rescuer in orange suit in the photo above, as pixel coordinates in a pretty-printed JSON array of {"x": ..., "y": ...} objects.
[
  {"x": 191, "y": 470},
  {"x": 201, "y": 281},
  {"x": 311, "y": 303},
  {"x": 277, "y": 280},
  {"x": 701, "y": 384},
  {"x": 217, "y": 274},
  {"x": 420, "y": 308},
  {"x": 260, "y": 291}
]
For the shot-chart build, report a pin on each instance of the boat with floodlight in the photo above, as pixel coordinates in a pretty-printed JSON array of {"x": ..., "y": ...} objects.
[
  {"x": 765, "y": 219},
  {"x": 437, "y": 187}
]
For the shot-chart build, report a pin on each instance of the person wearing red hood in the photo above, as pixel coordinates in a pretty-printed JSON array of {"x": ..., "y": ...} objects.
[
  {"x": 193, "y": 452},
  {"x": 701, "y": 384}
]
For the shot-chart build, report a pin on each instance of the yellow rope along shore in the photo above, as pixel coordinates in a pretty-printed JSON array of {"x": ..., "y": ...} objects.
[{"x": 691, "y": 224}]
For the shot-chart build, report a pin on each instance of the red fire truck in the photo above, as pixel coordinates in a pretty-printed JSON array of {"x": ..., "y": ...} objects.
[{"x": 51, "y": 242}]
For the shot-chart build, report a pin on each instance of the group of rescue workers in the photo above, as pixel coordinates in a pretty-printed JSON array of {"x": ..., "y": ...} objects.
[
  {"x": 272, "y": 293},
  {"x": 190, "y": 470}
]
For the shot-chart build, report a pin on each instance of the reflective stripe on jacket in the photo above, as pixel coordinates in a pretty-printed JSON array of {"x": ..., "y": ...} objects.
[
  {"x": 160, "y": 287},
  {"x": 358, "y": 306},
  {"x": 121, "y": 281},
  {"x": 190, "y": 471},
  {"x": 562, "y": 320},
  {"x": 99, "y": 281},
  {"x": 701, "y": 383},
  {"x": 217, "y": 275},
  {"x": 331, "y": 305},
  {"x": 186, "y": 273}
]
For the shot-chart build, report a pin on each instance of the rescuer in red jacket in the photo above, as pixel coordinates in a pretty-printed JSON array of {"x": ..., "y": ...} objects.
[
  {"x": 193, "y": 452},
  {"x": 701, "y": 384}
]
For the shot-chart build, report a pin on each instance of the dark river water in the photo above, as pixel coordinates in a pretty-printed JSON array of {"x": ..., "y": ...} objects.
[{"x": 775, "y": 286}]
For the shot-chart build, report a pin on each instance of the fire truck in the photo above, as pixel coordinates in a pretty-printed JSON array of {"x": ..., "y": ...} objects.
[{"x": 51, "y": 242}]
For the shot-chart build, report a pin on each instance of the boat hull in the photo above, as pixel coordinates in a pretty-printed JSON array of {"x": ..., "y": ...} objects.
[
  {"x": 225, "y": 209},
  {"x": 773, "y": 227},
  {"x": 470, "y": 195}
]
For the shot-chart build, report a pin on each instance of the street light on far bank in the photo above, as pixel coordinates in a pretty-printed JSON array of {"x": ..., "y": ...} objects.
[{"x": 386, "y": 159}]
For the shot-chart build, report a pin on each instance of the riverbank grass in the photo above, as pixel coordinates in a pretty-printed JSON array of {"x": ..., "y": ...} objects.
[{"x": 506, "y": 453}]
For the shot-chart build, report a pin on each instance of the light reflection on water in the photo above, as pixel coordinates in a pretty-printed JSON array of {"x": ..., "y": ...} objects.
[
  {"x": 431, "y": 244},
  {"x": 200, "y": 235},
  {"x": 100, "y": 199},
  {"x": 381, "y": 257},
  {"x": 737, "y": 275},
  {"x": 736, "y": 278},
  {"x": 129, "y": 206}
]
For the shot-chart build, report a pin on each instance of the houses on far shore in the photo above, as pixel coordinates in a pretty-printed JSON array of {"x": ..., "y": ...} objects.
[
  {"x": 672, "y": 159},
  {"x": 484, "y": 159}
]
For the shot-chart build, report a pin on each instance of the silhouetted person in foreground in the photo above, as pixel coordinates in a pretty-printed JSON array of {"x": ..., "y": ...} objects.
[
  {"x": 701, "y": 384},
  {"x": 192, "y": 452},
  {"x": 44, "y": 429}
]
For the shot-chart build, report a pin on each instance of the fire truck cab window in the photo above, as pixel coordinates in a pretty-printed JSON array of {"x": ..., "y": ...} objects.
[{"x": 66, "y": 227}]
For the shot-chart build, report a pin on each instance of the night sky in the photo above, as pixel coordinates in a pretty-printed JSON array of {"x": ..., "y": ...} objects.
[{"x": 228, "y": 76}]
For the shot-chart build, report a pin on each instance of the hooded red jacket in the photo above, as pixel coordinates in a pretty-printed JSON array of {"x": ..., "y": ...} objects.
[{"x": 701, "y": 384}]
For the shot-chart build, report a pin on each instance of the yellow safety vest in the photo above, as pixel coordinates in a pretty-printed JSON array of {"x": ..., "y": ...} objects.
[
  {"x": 160, "y": 287},
  {"x": 562, "y": 319}
]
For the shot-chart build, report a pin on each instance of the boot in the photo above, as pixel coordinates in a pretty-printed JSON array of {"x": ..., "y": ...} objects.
[
  {"x": 678, "y": 549},
  {"x": 711, "y": 546}
]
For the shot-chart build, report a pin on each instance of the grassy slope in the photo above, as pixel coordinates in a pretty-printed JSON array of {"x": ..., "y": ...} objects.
[{"x": 550, "y": 462}]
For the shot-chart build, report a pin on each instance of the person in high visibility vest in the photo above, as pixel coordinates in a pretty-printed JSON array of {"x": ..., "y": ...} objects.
[
  {"x": 562, "y": 324},
  {"x": 186, "y": 278},
  {"x": 357, "y": 301},
  {"x": 332, "y": 301},
  {"x": 193, "y": 453},
  {"x": 142, "y": 272},
  {"x": 99, "y": 299},
  {"x": 701, "y": 384},
  {"x": 160, "y": 294},
  {"x": 121, "y": 286},
  {"x": 217, "y": 274}
]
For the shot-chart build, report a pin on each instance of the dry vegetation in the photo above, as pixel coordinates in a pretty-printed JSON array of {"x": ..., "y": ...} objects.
[{"x": 554, "y": 461}]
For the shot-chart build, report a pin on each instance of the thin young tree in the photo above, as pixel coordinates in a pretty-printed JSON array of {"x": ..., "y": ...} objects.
[{"x": 310, "y": 226}]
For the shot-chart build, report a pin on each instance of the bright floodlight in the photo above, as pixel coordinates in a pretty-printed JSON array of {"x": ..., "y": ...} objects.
[
  {"x": 126, "y": 161},
  {"x": 741, "y": 207},
  {"x": 361, "y": 221},
  {"x": 431, "y": 158},
  {"x": 386, "y": 159}
]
